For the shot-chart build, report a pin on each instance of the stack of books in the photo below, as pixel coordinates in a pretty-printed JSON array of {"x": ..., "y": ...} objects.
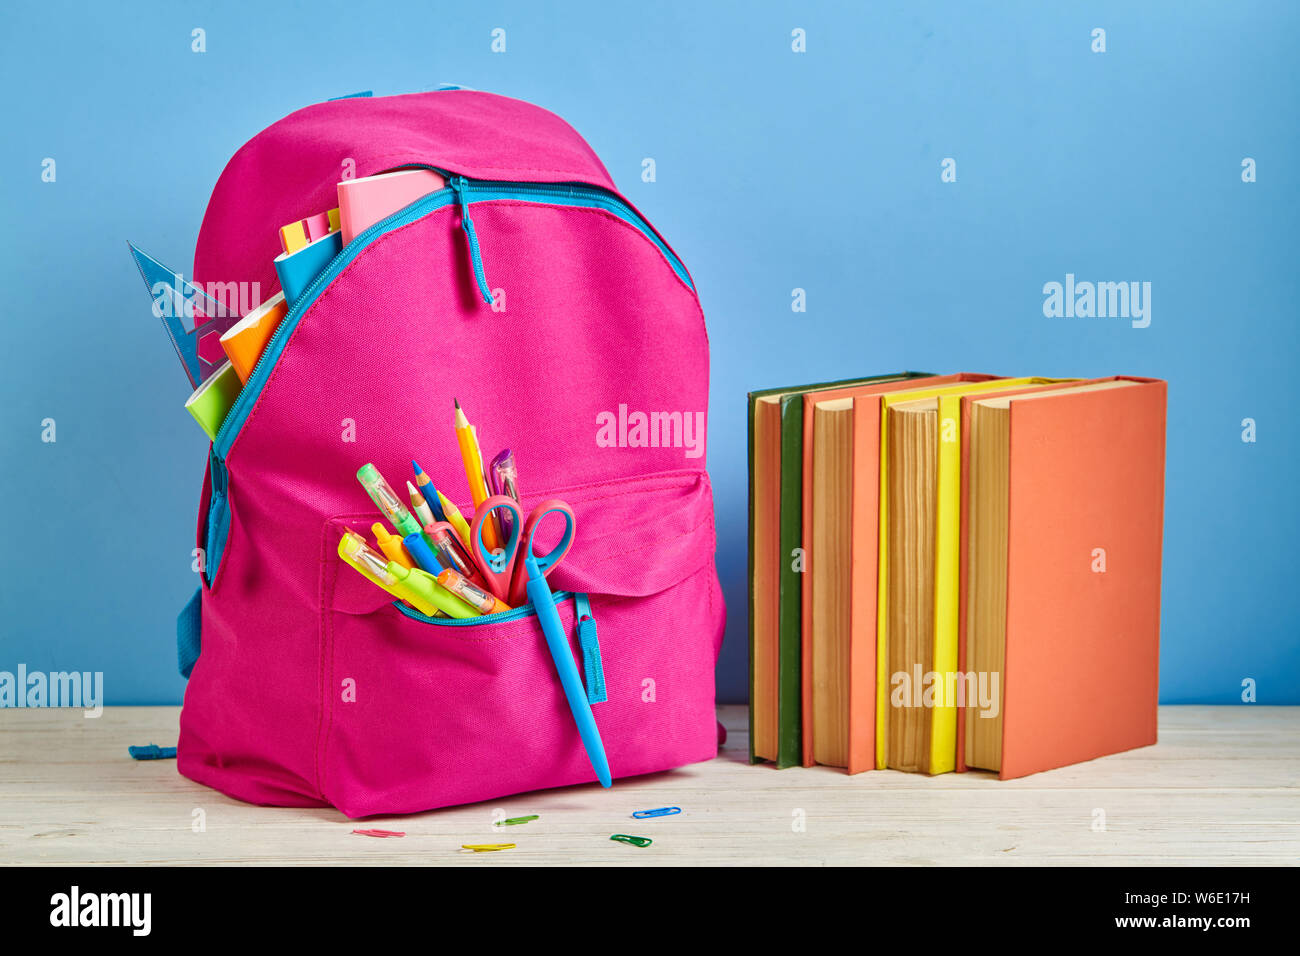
[{"x": 953, "y": 572}]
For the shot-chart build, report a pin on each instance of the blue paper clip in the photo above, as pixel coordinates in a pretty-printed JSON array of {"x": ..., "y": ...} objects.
[
  {"x": 657, "y": 812},
  {"x": 151, "y": 752}
]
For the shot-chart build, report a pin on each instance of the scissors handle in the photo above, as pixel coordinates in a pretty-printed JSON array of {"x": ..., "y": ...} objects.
[
  {"x": 497, "y": 566},
  {"x": 518, "y": 594}
]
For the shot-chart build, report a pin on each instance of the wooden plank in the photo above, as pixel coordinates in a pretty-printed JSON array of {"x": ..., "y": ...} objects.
[{"x": 1221, "y": 787}]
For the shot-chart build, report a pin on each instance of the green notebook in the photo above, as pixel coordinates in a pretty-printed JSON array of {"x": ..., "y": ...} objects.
[
  {"x": 776, "y": 435},
  {"x": 211, "y": 401}
]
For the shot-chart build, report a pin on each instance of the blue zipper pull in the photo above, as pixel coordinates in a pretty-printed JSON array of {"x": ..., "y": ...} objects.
[
  {"x": 590, "y": 644},
  {"x": 460, "y": 186}
]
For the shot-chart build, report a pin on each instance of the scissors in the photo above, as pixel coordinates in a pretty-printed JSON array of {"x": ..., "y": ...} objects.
[{"x": 505, "y": 570}]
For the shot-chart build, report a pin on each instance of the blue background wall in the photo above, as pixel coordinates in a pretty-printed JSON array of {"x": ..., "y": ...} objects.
[{"x": 776, "y": 170}]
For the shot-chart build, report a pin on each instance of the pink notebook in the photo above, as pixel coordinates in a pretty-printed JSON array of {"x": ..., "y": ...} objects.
[{"x": 363, "y": 202}]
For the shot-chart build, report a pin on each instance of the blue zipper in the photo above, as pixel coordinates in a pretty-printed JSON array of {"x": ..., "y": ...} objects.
[
  {"x": 214, "y": 540},
  {"x": 514, "y": 614},
  {"x": 564, "y": 194},
  {"x": 460, "y": 185}
]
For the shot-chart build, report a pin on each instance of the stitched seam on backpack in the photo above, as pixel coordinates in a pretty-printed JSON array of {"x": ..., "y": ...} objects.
[
  {"x": 416, "y": 160},
  {"x": 617, "y": 220},
  {"x": 326, "y": 598}
]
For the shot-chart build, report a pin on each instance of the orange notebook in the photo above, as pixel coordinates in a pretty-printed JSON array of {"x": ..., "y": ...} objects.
[
  {"x": 245, "y": 340},
  {"x": 865, "y": 511},
  {"x": 1061, "y": 549}
]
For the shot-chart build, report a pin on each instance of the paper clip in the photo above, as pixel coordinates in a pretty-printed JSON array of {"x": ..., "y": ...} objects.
[
  {"x": 515, "y": 821},
  {"x": 657, "y": 812},
  {"x": 632, "y": 840},
  {"x": 486, "y": 847},
  {"x": 379, "y": 833}
]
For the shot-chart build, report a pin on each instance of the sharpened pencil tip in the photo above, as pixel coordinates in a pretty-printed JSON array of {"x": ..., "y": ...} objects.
[{"x": 415, "y": 465}]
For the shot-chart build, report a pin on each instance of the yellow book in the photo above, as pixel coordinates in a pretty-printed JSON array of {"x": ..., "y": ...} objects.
[{"x": 929, "y": 427}]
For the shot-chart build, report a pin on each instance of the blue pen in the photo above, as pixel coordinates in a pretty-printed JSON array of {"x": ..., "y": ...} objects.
[
  {"x": 417, "y": 546},
  {"x": 539, "y": 592},
  {"x": 425, "y": 484}
]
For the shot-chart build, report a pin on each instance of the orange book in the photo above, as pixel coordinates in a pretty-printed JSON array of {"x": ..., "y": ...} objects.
[
  {"x": 245, "y": 340},
  {"x": 860, "y": 676},
  {"x": 1060, "y": 568}
]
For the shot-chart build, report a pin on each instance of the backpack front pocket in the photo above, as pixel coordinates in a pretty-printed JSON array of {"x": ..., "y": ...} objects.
[{"x": 421, "y": 712}]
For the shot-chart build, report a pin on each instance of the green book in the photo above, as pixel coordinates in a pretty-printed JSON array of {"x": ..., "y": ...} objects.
[
  {"x": 211, "y": 401},
  {"x": 775, "y": 595}
]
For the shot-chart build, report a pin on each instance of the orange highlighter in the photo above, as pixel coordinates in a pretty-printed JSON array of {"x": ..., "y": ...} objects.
[{"x": 473, "y": 460}]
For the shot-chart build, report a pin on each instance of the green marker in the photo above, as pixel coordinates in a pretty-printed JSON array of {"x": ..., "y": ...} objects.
[
  {"x": 381, "y": 493},
  {"x": 423, "y": 585}
]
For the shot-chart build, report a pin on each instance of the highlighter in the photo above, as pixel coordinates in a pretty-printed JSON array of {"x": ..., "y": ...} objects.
[
  {"x": 389, "y": 505},
  {"x": 430, "y": 592},
  {"x": 391, "y": 545},
  {"x": 379, "y": 570}
]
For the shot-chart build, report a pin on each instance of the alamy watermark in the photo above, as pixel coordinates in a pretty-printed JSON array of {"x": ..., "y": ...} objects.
[
  {"x": 232, "y": 298},
  {"x": 636, "y": 429},
  {"x": 75, "y": 908},
  {"x": 84, "y": 689},
  {"x": 980, "y": 689},
  {"x": 1102, "y": 300}
]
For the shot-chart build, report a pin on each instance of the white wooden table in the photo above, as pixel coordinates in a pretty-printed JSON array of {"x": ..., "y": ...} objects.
[{"x": 1221, "y": 787}]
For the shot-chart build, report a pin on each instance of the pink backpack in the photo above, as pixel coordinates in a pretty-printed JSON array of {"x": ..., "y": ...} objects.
[{"x": 534, "y": 293}]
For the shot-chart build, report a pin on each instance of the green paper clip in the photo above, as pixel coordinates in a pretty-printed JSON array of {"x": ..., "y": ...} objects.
[
  {"x": 515, "y": 821},
  {"x": 632, "y": 840}
]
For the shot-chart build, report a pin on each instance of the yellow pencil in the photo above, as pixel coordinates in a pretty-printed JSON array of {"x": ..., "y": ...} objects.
[
  {"x": 455, "y": 518},
  {"x": 473, "y": 461}
]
